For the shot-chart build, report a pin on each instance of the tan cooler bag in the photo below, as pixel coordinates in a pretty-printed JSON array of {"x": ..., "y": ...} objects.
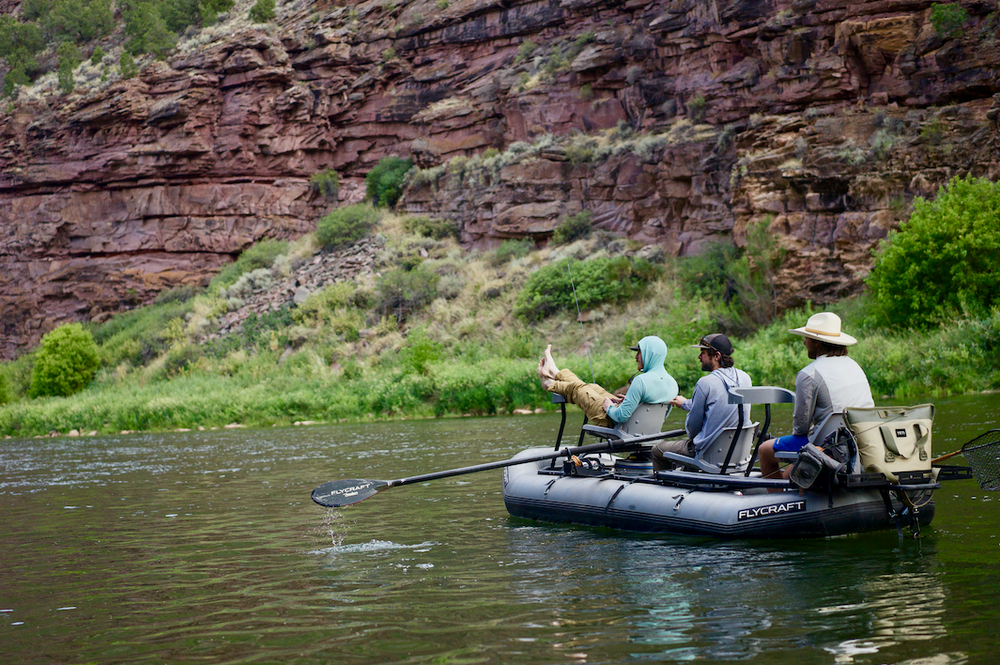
[{"x": 893, "y": 439}]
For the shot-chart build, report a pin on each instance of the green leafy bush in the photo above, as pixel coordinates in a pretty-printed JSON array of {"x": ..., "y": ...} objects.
[
  {"x": 948, "y": 19},
  {"x": 550, "y": 289},
  {"x": 420, "y": 351},
  {"x": 262, "y": 11},
  {"x": 573, "y": 228},
  {"x": 384, "y": 183},
  {"x": 261, "y": 255},
  {"x": 943, "y": 261},
  {"x": 66, "y": 362},
  {"x": 346, "y": 225},
  {"x": 400, "y": 292}
]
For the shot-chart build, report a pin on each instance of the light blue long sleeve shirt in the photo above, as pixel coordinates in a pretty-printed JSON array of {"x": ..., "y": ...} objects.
[
  {"x": 709, "y": 410},
  {"x": 652, "y": 385}
]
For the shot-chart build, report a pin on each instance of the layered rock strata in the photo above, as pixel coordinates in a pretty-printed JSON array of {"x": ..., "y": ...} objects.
[{"x": 675, "y": 122}]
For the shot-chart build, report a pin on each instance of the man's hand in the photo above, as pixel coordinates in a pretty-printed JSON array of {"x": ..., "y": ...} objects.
[{"x": 678, "y": 401}]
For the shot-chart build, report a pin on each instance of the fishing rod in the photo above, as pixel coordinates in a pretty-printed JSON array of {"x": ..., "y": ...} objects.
[{"x": 579, "y": 317}]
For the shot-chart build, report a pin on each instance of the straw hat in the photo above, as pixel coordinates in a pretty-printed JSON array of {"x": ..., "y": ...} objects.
[{"x": 825, "y": 327}]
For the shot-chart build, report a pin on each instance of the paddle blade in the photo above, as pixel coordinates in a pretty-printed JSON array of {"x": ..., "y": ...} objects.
[{"x": 338, "y": 493}]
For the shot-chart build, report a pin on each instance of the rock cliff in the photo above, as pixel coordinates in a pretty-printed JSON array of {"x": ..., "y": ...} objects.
[{"x": 675, "y": 122}]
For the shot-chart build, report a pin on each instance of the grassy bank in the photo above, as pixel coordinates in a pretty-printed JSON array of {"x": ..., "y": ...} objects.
[{"x": 441, "y": 331}]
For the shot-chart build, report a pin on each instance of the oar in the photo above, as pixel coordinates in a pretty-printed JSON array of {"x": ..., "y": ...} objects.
[{"x": 337, "y": 493}]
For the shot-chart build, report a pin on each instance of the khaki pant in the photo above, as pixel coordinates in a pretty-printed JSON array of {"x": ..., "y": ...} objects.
[
  {"x": 679, "y": 446},
  {"x": 588, "y": 396}
]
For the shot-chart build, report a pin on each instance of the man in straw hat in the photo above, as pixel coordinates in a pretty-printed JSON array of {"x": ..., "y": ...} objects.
[
  {"x": 709, "y": 410},
  {"x": 651, "y": 385},
  {"x": 829, "y": 384}
]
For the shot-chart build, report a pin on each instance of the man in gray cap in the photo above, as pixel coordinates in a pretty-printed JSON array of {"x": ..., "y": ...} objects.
[{"x": 709, "y": 410}]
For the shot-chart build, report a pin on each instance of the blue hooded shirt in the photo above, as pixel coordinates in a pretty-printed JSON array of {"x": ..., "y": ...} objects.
[{"x": 652, "y": 385}]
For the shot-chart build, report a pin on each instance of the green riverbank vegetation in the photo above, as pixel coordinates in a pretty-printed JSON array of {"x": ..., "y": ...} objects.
[{"x": 439, "y": 330}]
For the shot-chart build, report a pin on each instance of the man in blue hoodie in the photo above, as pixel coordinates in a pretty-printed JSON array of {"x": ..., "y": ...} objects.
[{"x": 651, "y": 385}]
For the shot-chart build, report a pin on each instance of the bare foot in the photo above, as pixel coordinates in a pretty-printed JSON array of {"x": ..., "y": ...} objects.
[
  {"x": 550, "y": 364},
  {"x": 542, "y": 376}
]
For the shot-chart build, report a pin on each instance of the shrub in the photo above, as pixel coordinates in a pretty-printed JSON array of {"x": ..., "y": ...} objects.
[
  {"x": 525, "y": 51},
  {"x": 430, "y": 227},
  {"x": 573, "y": 228},
  {"x": 551, "y": 289},
  {"x": 326, "y": 182},
  {"x": 262, "y": 11},
  {"x": 66, "y": 362},
  {"x": 97, "y": 56},
  {"x": 696, "y": 107},
  {"x": 948, "y": 19},
  {"x": 943, "y": 260},
  {"x": 346, "y": 225},
  {"x": 384, "y": 183},
  {"x": 420, "y": 351},
  {"x": 511, "y": 249},
  {"x": 400, "y": 292},
  {"x": 261, "y": 255}
]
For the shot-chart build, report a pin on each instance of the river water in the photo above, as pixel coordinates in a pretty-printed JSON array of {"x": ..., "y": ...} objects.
[{"x": 204, "y": 547}]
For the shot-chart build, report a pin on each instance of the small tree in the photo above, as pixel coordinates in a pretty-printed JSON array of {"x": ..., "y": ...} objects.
[
  {"x": 69, "y": 58},
  {"x": 66, "y": 362},
  {"x": 127, "y": 67}
]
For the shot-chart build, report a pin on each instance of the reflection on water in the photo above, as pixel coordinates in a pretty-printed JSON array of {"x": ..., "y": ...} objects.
[{"x": 205, "y": 547}]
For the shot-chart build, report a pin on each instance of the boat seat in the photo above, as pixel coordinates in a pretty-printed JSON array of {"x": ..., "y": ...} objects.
[
  {"x": 711, "y": 458},
  {"x": 646, "y": 419}
]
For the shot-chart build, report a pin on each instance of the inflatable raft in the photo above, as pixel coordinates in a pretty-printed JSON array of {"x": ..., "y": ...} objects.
[
  {"x": 623, "y": 495},
  {"x": 885, "y": 479}
]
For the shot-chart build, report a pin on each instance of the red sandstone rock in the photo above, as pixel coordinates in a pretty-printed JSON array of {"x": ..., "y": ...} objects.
[{"x": 110, "y": 195}]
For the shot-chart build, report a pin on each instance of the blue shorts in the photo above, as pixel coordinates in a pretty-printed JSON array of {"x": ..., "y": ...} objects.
[{"x": 790, "y": 443}]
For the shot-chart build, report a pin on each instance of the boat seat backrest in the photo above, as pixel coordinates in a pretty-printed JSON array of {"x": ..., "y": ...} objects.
[
  {"x": 826, "y": 427},
  {"x": 646, "y": 419},
  {"x": 710, "y": 458},
  {"x": 715, "y": 452}
]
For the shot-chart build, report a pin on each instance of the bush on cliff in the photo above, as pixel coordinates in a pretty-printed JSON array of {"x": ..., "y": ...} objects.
[
  {"x": 384, "y": 183},
  {"x": 255, "y": 257},
  {"x": 943, "y": 261},
  {"x": 346, "y": 225},
  {"x": 66, "y": 362},
  {"x": 551, "y": 289}
]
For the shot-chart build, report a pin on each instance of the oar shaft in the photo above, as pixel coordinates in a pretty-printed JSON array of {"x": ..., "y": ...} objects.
[{"x": 614, "y": 445}]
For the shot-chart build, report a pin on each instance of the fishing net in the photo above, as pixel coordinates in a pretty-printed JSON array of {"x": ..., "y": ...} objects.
[{"x": 983, "y": 455}]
